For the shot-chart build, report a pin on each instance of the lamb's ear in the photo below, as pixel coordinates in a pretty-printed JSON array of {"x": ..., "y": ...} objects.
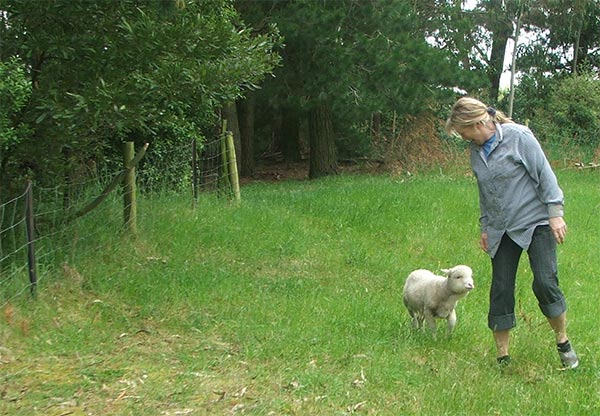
[{"x": 446, "y": 271}]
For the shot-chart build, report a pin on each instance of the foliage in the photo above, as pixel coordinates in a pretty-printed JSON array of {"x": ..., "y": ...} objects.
[
  {"x": 563, "y": 36},
  {"x": 572, "y": 114},
  {"x": 359, "y": 57},
  {"x": 198, "y": 316},
  {"x": 108, "y": 71},
  {"x": 531, "y": 96},
  {"x": 14, "y": 93},
  {"x": 564, "y": 40}
]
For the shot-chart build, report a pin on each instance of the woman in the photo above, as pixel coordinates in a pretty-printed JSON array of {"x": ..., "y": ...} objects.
[{"x": 521, "y": 207}]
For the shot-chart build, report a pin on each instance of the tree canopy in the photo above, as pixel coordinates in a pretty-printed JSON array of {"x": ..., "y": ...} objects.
[
  {"x": 101, "y": 72},
  {"x": 107, "y": 71}
]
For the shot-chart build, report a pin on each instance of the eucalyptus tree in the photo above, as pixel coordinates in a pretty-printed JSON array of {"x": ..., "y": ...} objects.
[
  {"x": 564, "y": 36},
  {"x": 461, "y": 34},
  {"x": 567, "y": 36},
  {"x": 108, "y": 71},
  {"x": 477, "y": 36}
]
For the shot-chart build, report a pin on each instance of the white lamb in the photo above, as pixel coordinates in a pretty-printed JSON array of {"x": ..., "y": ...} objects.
[{"x": 428, "y": 296}]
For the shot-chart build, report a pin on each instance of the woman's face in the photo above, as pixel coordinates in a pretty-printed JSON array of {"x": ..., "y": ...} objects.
[{"x": 477, "y": 133}]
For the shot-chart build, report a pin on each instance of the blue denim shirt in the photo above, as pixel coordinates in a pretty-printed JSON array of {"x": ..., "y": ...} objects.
[{"x": 517, "y": 188}]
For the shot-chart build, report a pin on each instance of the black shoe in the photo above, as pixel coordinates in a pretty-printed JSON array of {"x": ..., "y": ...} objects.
[{"x": 503, "y": 361}]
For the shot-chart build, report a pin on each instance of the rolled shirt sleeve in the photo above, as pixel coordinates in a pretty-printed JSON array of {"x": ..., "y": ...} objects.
[{"x": 556, "y": 210}]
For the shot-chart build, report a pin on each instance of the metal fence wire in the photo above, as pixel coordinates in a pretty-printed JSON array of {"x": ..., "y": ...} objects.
[{"x": 40, "y": 226}]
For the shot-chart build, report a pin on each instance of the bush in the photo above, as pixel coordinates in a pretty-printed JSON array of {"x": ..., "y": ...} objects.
[
  {"x": 15, "y": 90},
  {"x": 572, "y": 116}
]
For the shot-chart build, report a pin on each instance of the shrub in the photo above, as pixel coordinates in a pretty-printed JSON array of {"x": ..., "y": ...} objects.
[
  {"x": 572, "y": 116},
  {"x": 15, "y": 90}
]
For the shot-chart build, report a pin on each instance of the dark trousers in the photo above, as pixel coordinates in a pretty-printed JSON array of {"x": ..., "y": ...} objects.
[{"x": 542, "y": 259}]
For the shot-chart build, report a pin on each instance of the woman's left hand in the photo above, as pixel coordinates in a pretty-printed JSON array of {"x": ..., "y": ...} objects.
[{"x": 559, "y": 229}]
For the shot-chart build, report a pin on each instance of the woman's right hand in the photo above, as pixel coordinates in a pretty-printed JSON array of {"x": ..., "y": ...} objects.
[{"x": 483, "y": 242}]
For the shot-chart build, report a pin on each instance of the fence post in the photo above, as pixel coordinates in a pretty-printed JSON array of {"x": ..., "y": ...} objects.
[
  {"x": 225, "y": 182},
  {"x": 194, "y": 173},
  {"x": 129, "y": 197},
  {"x": 29, "y": 225},
  {"x": 233, "y": 172}
]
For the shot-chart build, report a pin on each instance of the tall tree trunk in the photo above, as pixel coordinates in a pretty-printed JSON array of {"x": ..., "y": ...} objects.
[
  {"x": 246, "y": 120},
  {"x": 576, "y": 46},
  {"x": 376, "y": 126},
  {"x": 290, "y": 127},
  {"x": 501, "y": 29},
  {"x": 501, "y": 37},
  {"x": 513, "y": 66},
  {"x": 322, "y": 145},
  {"x": 275, "y": 123},
  {"x": 230, "y": 114}
]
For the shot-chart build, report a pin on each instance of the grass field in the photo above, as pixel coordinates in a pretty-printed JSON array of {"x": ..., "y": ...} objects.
[{"x": 290, "y": 304}]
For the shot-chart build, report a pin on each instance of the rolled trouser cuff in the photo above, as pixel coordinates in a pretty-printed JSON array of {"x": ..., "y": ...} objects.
[
  {"x": 554, "y": 309},
  {"x": 501, "y": 323}
]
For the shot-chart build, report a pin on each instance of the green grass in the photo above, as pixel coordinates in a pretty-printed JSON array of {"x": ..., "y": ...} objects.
[{"x": 290, "y": 304}]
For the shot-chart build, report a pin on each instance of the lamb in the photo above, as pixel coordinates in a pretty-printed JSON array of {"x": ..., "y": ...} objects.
[{"x": 428, "y": 296}]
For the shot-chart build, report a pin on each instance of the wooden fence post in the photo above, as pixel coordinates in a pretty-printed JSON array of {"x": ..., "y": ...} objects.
[
  {"x": 233, "y": 171},
  {"x": 224, "y": 180},
  {"x": 29, "y": 225},
  {"x": 194, "y": 173},
  {"x": 129, "y": 196}
]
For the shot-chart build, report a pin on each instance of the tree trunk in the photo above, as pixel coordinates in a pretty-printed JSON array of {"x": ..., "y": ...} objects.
[
  {"x": 230, "y": 114},
  {"x": 513, "y": 66},
  {"x": 576, "y": 46},
  {"x": 501, "y": 37},
  {"x": 275, "y": 142},
  {"x": 501, "y": 29},
  {"x": 376, "y": 126},
  {"x": 322, "y": 146},
  {"x": 246, "y": 120},
  {"x": 290, "y": 127}
]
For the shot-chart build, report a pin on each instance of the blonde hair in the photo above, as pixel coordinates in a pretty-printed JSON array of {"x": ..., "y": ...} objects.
[{"x": 469, "y": 111}]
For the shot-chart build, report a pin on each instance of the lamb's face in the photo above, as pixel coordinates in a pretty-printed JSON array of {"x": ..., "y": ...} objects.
[{"x": 461, "y": 279}]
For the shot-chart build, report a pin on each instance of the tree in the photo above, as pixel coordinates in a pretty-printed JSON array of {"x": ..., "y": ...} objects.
[
  {"x": 322, "y": 149},
  {"x": 479, "y": 37},
  {"x": 500, "y": 24},
  {"x": 15, "y": 91},
  {"x": 110, "y": 71},
  {"x": 461, "y": 34},
  {"x": 513, "y": 66},
  {"x": 358, "y": 57},
  {"x": 568, "y": 33}
]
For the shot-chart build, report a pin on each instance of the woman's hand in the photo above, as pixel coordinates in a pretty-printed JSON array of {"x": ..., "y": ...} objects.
[
  {"x": 559, "y": 229},
  {"x": 483, "y": 242}
]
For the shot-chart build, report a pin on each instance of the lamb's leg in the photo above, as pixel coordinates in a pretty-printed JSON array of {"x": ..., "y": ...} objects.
[
  {"x": 431, "y": 322},
  {"x": 417, "y": 320},
  {"x": 451, "y": 322}
]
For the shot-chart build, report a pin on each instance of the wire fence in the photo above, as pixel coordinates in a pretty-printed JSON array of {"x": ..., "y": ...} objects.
[
  {"x": 42, "y": 227},
  {"x": 13, "y": 242}
]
